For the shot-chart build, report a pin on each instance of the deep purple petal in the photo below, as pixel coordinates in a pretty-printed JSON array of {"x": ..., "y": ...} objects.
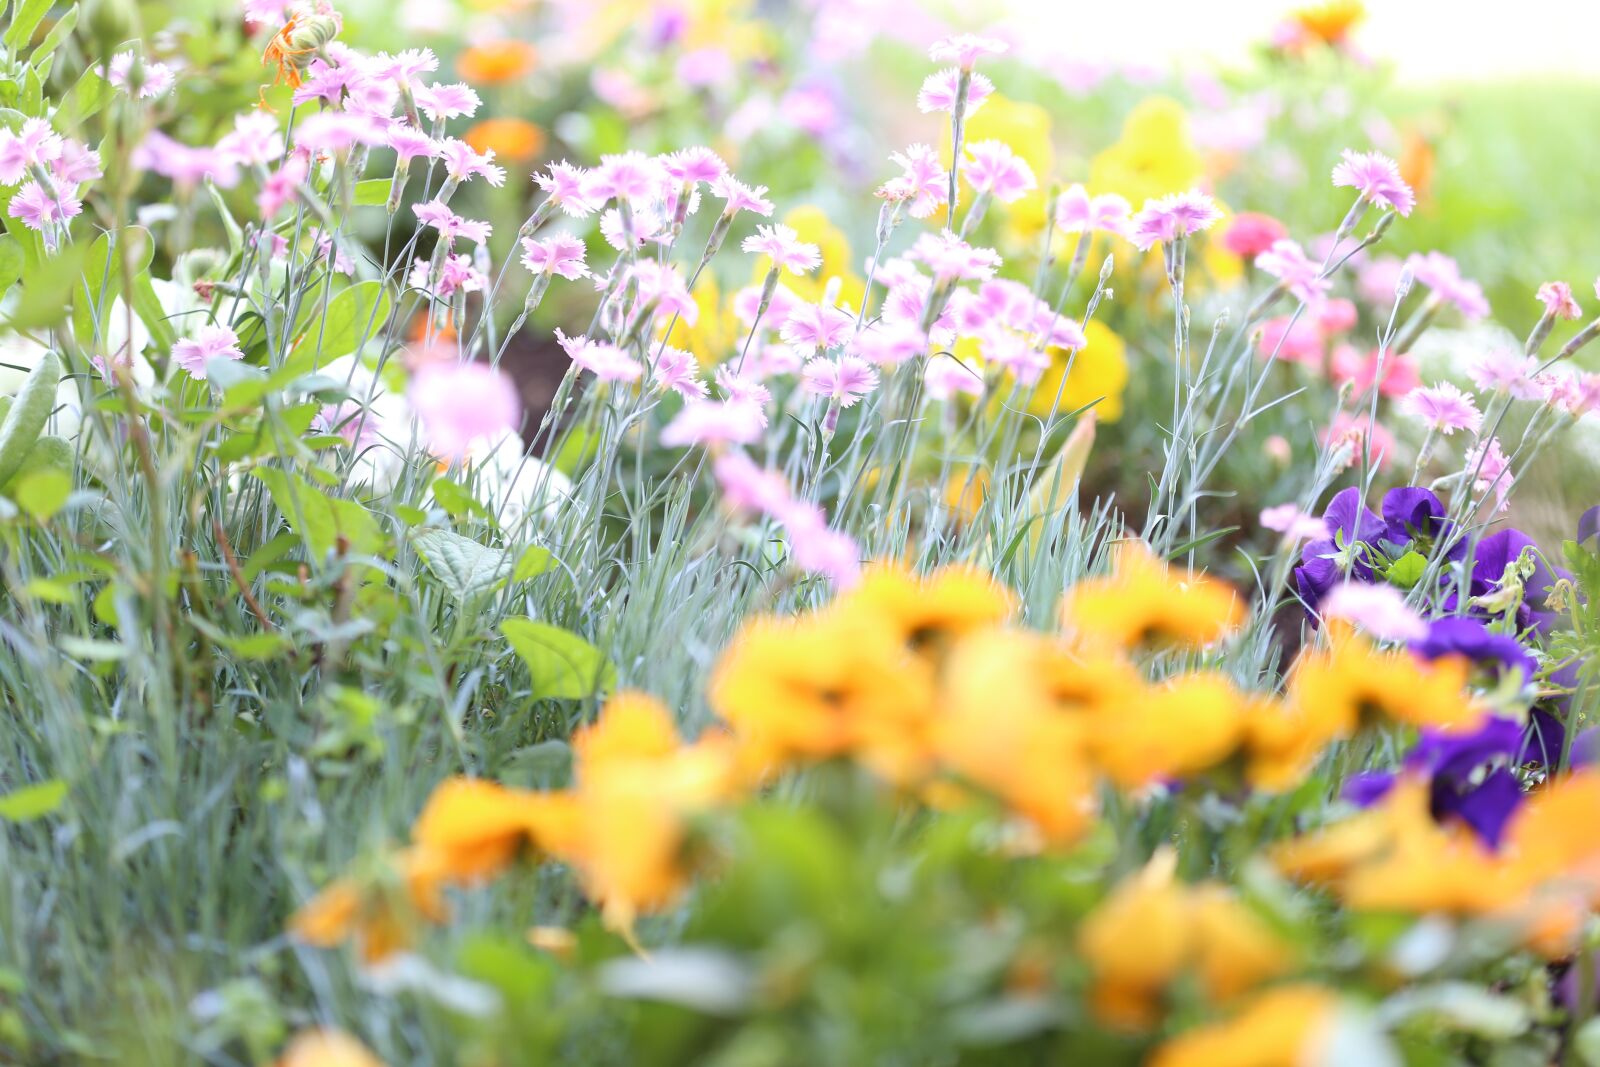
[
  {"x": 1410, "y": 512},
  {"x": 1486, "y": 808},
  {"x": 1468, "y": 637},
  {"x": 1367, "y": 787},
  {"x": 1348, "y": 516}
]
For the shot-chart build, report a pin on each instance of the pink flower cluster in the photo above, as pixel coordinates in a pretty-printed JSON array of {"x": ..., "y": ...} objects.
[
  {"x": 812, "y": 544},
  {"x": 50, "y": 169}
]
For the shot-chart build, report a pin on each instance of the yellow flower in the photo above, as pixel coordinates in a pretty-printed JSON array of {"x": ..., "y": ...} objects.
[
  {"x": 1188, "y": 725},
  {"x": 327, "y": 1048},
  {"x": 1144, "y": 602},
  {"x": 1237, "y": 950},
  {"x": 1012, "y": 722},
  {"x": 927, "y": 613},
  {"x": 1284, "y": 740},
  {"x": 1349, "y": 682},
  {"x": 1283, "y": 1027},
  {"x": 833, "y": 683},
  {"x": 1154, "y": 155},
  {"x": 1099, "y": 372},
  {"x": 378, "y": 911},
  {"x": 472, "y": 827},
  {"x": 717, "y": 333}
]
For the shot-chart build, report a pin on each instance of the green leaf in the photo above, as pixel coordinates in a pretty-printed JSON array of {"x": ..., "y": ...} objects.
[
  {"x": 464, "y": 567},
  {"x": 534, "y": 562},
  {"x": 319, "y": 519},
  {"x": 33, "y": 801},
  {"x": 25, "y": 19},
  {"x": 1586, "y": 1042},
  {"x": 102, "y": 276},
  {"x": 561, "y": 664},
  {"x": 372, "y": 192},
  {"x": 42, "y": 493},
  {"x": 353, "y": 317},
  {"x": 48, "y": 290},
  {"x": 546, "y": 765},
  {"x": 1407, "y": 571},
  {"x": 12, "y": 261},
  {"x": 454, "y": 498},
  {"x": 57, "y": 34},
  {"x": 25, "y": 420}
]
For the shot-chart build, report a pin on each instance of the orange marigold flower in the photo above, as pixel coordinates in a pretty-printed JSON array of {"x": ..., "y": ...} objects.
[
  {"x": 327, "y": 1048},
  {"x": 496, "y": 62},
  {"x": 1284, "y": 1027},
  {"x": 473, "y": 827},
  {"x": 1144, "y": 601},
  {"x": 1349, "y": 682},
  {"x": 1330, "y": 22},
  {"x": 1185, "y": 726},
  {"x": 928, "y": 612},
  {"x": 514, "y": 139}
]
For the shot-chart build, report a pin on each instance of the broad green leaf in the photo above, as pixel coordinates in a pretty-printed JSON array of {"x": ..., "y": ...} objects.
[
  {"x": 42, "y": 493},
  {"x": 319, "y": 519},
  {"x": 229, "y": 225},
  {"x": 1586, "y": 1043},
  {"x": 456, "y": 500},
  {"x": 1407, "y": 571},
  {"x": 25, "y": 419},
  {"x": 561, "y": 664},
  {"x": 354, "y": 316},
  {"x": 12, "y": 261},
  {"x": 534, "y": 562},
  {"x": 463, "y": 566},
  {"x": 33, "y": 801},
  {"x": 57, "y": 34},
  {"x": 48, "y": 290},
  {"x": 372, "y": 192},
  {"x": 25, "y": 18},
  {"x": 546, "y": 765}
]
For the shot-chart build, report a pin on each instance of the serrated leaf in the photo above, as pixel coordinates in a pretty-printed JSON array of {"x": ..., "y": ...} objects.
[
  {"x": 463, "y": 566},
  {"x": 561, "y": 664},
  {"x": 33, "y": 801}
]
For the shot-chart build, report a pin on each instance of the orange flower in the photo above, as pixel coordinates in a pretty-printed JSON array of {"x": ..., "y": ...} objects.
[
  {"x": 472, "y": 827},
  {"x": 1331, "y": 21},
  {"x": 1350, "y": 682},
  {"x": 496, "y": 62},
  {"x": 927, "y": 613},
  {"x": 327, "y": 1048},
  {"x": 1188, "y": 725},
  {"x": 514, "y": 139},
  {"x": 1283, "y": 1027},
  {"x": 1145, "y": 602}
]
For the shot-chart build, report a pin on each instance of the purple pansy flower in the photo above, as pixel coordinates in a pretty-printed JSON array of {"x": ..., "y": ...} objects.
[
  {"x": 1349, "y": 521},
  {"x": 1471, "y": 638}
]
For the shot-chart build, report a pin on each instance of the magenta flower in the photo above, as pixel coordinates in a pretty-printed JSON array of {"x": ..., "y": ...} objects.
[
  {"x": 1377, "y": 178},
  {"x": 254, "y": 139},
  {"x": 440, "y": 102},
  {"x": 950, "y": 258},
  {"x": 1250, "y": 233},
  {"x": 924, "y": 185},
  {"x": 461, "y": 403},
  {"x": 184, "y": 164},
  {"x": 1172, "y": 217},
  {"x": 1294, "y": 524},
  {"x": 1504, "y": 371},
  {"x": 1493, "y": 470},
  {"x": 747, "y": 487},
  {"x": 40, "y": 209},
  {"x": 206, "y": 343},
  {"x": 605, "y": 361},
  {"x": 404, "y": 68},
  {"x": 331, "y": 132},
  {"x": 564, "y": 183},
  {"x": 741, "y": 197},
  {"x": 993, "y": 168},
  {"x": 844, "y": 380},
  {"x": 695, "y": 166},
  {"x": 965, "y": 49},
  {"x": 1335, "y": 316},
  {"x": 463, "y": 162},
  {"x": 817, "y": 326},
  {"x": 561, "y": 255},
  {"x": 34, "y": 145},
  {"x": 1381, "y": 610},
  {"x": 939, "y": 91},
  {"x": 1078, "y": 212},
  {"x": 1356, "y": 433},
  {"x": 280, "y": 186},
  {"x": 410, "y": 143},
  {"x": 818, "y": 549},
  {"x": 1440, "y": 273},
  {"x": 1292, "y": 341},
  {"x": 1400, "y": 374},
  {"x": 946, "y": 377},
  {"x": 1299, "y": 273},
  {"x": 1557, "y": 300},
  {"x": 156, "y": 79},
  {"x": 714, "y": 423},
  {"x": 1443, "y": 408},
  {"x": 1379, "y": 279},
  {"x": 678, "y": 371},
  {"x": 783, "y": 246}
]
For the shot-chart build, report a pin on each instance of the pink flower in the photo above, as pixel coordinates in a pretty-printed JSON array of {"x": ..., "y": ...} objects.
[
  {"x": 626, "y": 176},
  {"x": 155, "y": 79},
  {"x": 1444, "y": 408},
  {"x": 950, "y": 258},
  {"x": 741, "y": 197},
  {"x": 888, "y": 344},
  {"x": 695, "y": 166},
  {"x": 410, "y": 143},
  {"x": 1300, "y": 274},
  {"x": 946, "y": 376},
  {"x": 605, "y": 361},
  {"x": 1381, "y": 610},
  {"x": 560, "y": 254},
  {"x": 332, "y": 132},
  {"x": 254, "y": 139},
  {"x": 845, "y": 380},
  {"x": 815, "y": 548},
  {"x": 678, "y": 371},
  {"x": 185, "y": 165},
  {"x": 449, "y": 224},
  {"x": 1294, "y": 524},
  {"x": 456, "y": 274},
  {"x": 965, "y": 49},
  {"x": 1378, "y": 280},
  {"x": 1172, "y": 217},
  {"x": 661, "y": 286},
  {"x": 939, "y": 91},
  {"x": 1351, "y": 365},
  {"x": 207, "y": 342},
  {"x": 1016, "y": 353},
  {"x": 462, "y": 162},
  {"x": 34, "y": 145},
  {"x": 564, "y": 183},
  {"x": 747, "y": 487},
  {"x": 1292, "y": 341},
  {"x": 1492, "y": 469},
  {"x": 714, "y": 423},
  {"x": 440, "y": 102},
  {"x": 405, "y": 67},
  {"x": 1334, "y": 316},
  {"x": 783, "y": 246},
  {"x": 460, "y": 403},
  {"x": 1352, "y": 432},
  {"x": 924, "y": 185},
  {"x": 817, "y": 326},
  {"x": 1559, "y": 391},
  {"x": 280, "y": 186},
  {"x": 1377, "y": 178},
  {"x": 995, "y": 169},
  {"x": 1439, "y": 273},
  {"x": 745, "y": 389},
  {"x": 1558, "y": 301},
  {"x": 1078, "y": 212},
  {"x": 1250, "y": 233},
  {"x": 1504, "y": 371},
  {"x": 38, "y": 209}
]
